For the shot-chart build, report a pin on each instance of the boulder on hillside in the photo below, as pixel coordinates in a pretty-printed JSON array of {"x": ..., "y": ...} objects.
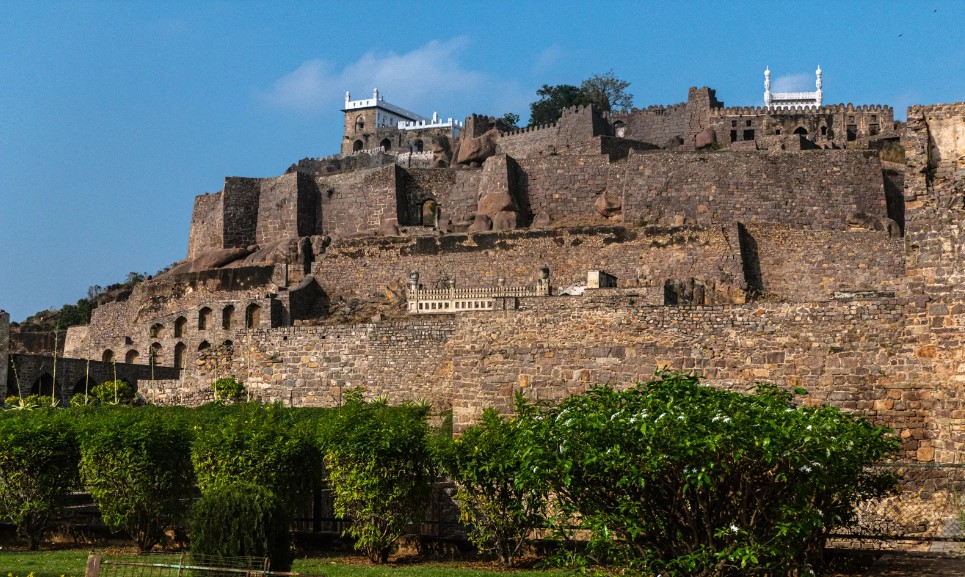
[
  {"x": 477, "y": 149},
  {"x": 542, "y": 220},
  {"x": 705, "y": 138},
  {"x": 607, "y": 205},
  {"x": 481, "y": 223},
  {"x": 505, "y": 220}
]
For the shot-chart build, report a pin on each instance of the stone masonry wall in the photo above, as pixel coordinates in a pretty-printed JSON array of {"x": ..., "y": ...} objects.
[
  {"x": 637, "y": 257},
  {"x": 842, "y": 352},
  {"x": 240, "y": 201},
  {"x": 934, "y": 212},
  {"x": 565, "y": 187},
  {"x": 207, "y": 225},
  {"x": 802, "y": 265},
  {"x": 813, "y": 189},
  {"x": 658, "y": 125},
  {"x": 359, "y": 202}
]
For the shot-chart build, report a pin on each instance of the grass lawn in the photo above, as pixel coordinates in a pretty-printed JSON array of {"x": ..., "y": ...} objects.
[{"x": 71, "y": 563}]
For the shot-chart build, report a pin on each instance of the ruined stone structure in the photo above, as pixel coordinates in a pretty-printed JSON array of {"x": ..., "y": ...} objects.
[{"x": 592, "y": 250}]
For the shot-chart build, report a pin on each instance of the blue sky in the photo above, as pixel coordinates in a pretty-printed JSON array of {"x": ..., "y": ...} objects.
[{"x": 115, "y": 115}]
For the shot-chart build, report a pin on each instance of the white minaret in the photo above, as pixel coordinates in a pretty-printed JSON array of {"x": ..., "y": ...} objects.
[
  {"x": 767, "y": 86},
  {"x": 375, "y": 94},
  {"x": 817, "y": 84},
  {"x": 348, "y": 97}
]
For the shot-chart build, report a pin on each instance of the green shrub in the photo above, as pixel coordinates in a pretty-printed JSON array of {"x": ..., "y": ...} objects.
[
  {"x": 137, "y": 467},
  {"x": 500, "y": 507},
  {"x": 380, "y": 471},
  {"x": 115, "y": 392},
  {"x": 676, "y": 478},
  {"x": 242, "y": 519},
  {"x": 82, "y": 400},
  {"x": 228, "y": 389},
  {"x": 261, "y": 444},
  {"x": 38, "y": 469}
]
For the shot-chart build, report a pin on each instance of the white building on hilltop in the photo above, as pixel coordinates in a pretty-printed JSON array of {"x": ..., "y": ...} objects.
[{"x": 791, "y": 99}]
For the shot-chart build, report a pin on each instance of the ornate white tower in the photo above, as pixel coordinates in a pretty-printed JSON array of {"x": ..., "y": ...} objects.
[{"x": 767, "y": 87}]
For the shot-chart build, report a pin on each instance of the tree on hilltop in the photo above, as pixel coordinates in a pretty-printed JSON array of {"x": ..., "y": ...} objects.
[{"x": 606, "y": 91}]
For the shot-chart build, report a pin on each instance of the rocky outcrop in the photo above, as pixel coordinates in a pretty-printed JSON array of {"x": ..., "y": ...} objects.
[{"x": 477, "y": 149}]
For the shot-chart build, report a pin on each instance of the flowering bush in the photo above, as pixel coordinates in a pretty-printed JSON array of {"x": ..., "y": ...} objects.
[{"x": 677, "y": 478}]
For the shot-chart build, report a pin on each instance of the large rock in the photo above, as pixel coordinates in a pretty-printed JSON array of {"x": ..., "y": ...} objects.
[
  {"x": 505, "y": 220},
  {"x": 495, "y": 202},
  {"x": 542, "y": 220},
  {"x": 214, "y": 259},
  {"x": 706, "y": 137},
  {"x": 481, "y": 223},
  {"x": 608, "y": 205},
  {"x": 477, "y": 149}
]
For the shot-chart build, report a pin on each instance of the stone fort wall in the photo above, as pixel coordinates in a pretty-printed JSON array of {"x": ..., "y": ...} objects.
[{"x": 934, "y": 198}]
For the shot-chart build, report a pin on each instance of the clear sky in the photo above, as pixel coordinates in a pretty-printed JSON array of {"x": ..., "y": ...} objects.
[{"x": 115, "y": 115}]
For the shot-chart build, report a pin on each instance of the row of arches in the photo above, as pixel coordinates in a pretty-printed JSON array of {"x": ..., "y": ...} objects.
[
  {"x": 156, "y": 353},
  {"x": 44, "y": 386},
  {"x": 386, "y": 145},
  {"x": 205, "y": 320}
]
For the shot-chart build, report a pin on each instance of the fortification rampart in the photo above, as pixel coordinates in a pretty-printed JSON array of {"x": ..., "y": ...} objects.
[
  {"x": 815, "y": 190},
  {"x": 843, "y": 351}
]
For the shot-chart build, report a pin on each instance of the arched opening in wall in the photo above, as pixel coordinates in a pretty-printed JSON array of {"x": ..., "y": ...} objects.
[
  {"x": 43, "y": 386},
  {"x": 131, "y": 357},
  {"x": 429, "y": 210},
  {"x": 619, "y": 128},
  {"x": 83, "y": 386},
  {"x": 179, "y": 355},
  {"x": 179, "y": 325},
  {"x": 417, "y": 145},
  {"x": 252, "y": 316},
  {"x": 156, "y": 331},
  {"x": 204, "y": 319},
  {"x": 386, "y": 144},
  {"x": 156, "y": 354},
  {"x": 777, "y": 131},
  {"x": 801, "y": 130},
  {"x": 108, "y": 356},
  {"x": 227, "y": 315},
  {"x": 824, "y": 131},
  {"x": 228, "y": 344},
  {"x": 357, "y": 146},
  {"x": 359, "y": 125},
  {"x": 205, "y": 345}
]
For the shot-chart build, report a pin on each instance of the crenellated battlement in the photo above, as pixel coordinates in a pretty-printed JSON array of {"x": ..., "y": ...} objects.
[{"x": 529, "y": 129}]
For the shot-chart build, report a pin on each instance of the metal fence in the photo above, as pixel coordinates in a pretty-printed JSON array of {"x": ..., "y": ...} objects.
[{"x": 928, "y": 509}]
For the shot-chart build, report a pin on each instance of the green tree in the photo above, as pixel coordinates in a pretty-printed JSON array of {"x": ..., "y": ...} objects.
[
  {"x": 261, "y": 444},
  {"x": 38, "y": 469},
  {"x": 552, "y": 101},
  {"x": 136, "y": 465},
  {"x": 116, "y": 392},
  {"x": 607, "y": 92},
  {"x": 500, "y": 506},
  {"x": 507, "y": 122},
  {"x": 676, "y": 478},
  {"x": 380, "y": 470},
  {"x": 241, "y": 519}
]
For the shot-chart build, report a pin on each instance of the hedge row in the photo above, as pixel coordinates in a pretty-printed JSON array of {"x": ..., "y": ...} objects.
[{"x": 666, "y": 477}]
